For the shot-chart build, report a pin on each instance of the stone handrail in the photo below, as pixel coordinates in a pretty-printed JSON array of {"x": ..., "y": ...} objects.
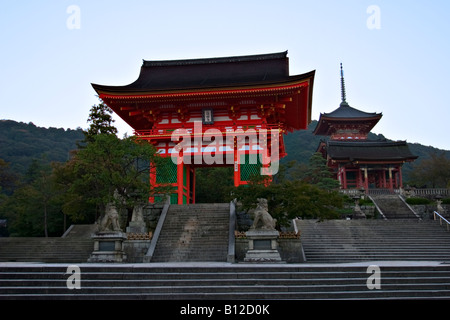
[
  {"x": 149, "y": 255},
  {"x": 414, "y": 192},
  {"x": 231, "y": 230},
  {"x": 378, "y": 208},
  {"x": 435, "y": 213},
  {"x": 432, "y": 191}
]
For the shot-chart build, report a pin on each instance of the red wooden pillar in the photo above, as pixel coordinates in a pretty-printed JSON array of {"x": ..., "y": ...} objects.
[
  {"x": 193, "y": 185},
  {"x": 180, "y": 178},
  {"x": 344, "y": 178},
  {"x": 339, "y": 176},
  {"x": 366, "y": 180},
  {"x": 400, "y": 176},
  {"x": 391, "y": 183},
  {"x": 360, "y": 178},
  {"x": 152, "y": 180},
  {"x": 237, "y": 167},
  {"x": 187, "y": 187}
]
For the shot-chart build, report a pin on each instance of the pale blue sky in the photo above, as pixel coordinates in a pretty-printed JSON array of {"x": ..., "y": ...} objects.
[{"x": 400, "y": 69}]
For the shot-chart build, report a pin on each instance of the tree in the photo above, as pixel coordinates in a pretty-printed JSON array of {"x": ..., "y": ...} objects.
[
  {"x": 288, "y": 199},
  {"x": 107, "y": 169},
  {"x": 41, "y": 189},
  {"x": 8, "y": 179},
  {"x": 101, "y": 122},
  {"x": 318, "y": 173},
  {"x": 34, "y": 209},
  {"x": 219, "y": 179},
  {"x": 433, "y": 172}
]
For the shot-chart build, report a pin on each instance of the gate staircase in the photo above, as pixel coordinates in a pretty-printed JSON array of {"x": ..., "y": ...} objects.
[
  {"x": 194, "y": 232},
  {"x": 392, "y": 206}
]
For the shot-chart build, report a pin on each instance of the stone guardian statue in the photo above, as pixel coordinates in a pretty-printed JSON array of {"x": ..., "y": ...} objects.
[
  {"x": 262, "y": 218},
  {"x": 110, "y": 219}
]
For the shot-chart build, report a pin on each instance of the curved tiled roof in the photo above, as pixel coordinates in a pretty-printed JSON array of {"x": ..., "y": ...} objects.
[
  {"x": 206, "y": 73},
  {"x": 347, "y": 112},
  {"x": 381, "y": 150}
]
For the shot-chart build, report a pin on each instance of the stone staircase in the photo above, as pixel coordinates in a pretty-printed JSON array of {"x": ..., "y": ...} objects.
[
  {"x": 393, "y": 207},
  {"x": 194, "y": 232},
  {"x": 366, "y": 240},
  {"x": 50, "y": 250},
  {"x": 223, "y": 281}
]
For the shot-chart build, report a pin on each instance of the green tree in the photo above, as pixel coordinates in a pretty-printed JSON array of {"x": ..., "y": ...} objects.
[
  {"x": 101, "y": 122},
  {"x": 288, "y": 199},
  {"x": 34, "y": 208},
  {"x": 8, "y": 179},
  {"x": 433, "y": 172},
  {"x": 213, "y": 185},
  {"x": 107, "y": 169},
  {"x": 318, "y": 173}
]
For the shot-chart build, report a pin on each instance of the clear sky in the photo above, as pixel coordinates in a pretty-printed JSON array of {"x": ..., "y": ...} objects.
[{"x": 396, "y": 54}]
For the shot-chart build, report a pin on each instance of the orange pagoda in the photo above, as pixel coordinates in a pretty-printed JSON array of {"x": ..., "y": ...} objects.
[{"x": 356, "y": 161}]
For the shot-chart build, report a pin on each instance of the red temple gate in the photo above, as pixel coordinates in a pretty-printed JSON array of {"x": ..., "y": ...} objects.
[{"x": 230, "y": 111}]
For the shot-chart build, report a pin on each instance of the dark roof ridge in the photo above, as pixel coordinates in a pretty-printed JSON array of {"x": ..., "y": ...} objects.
[
  {"x": 345, "y": 110},
  {"x": 366, "y": 143},
  {"x": 257, "y": 57}
]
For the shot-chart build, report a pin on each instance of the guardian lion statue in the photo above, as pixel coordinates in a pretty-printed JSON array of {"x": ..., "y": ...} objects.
[
  {"x": 262, "y": 218},
  {"x": 110, "y": 219},
  {"x": 440, "y": 208}
]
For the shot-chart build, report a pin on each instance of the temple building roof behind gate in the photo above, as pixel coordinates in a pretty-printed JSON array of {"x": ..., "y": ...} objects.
[{"x": 370, "y": 151}]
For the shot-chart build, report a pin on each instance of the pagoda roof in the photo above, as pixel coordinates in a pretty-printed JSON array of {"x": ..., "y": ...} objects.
[
  {"x": 169, "y": 75},
  {"x": 370, "y": 151},
  {"x": 345, "y": 114}
]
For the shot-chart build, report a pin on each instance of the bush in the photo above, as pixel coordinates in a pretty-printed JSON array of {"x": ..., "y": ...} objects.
[
  {"x": 446, "y": 201},
  {"x": 414, "y": 201},
  {"x": 365, "y": 202}
]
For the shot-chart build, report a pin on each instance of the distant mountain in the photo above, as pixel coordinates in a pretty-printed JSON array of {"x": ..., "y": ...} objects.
[{"x": 20, "y": 143}]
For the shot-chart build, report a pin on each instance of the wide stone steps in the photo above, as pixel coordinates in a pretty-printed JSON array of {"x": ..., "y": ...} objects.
[
  {"x": 393, "y": 207},
  {"x": 229, "y": 281},
  {"x": 195, "y": 232},
  {"x": 51, "y": 250},
  {"x": 364, "y": 240}
]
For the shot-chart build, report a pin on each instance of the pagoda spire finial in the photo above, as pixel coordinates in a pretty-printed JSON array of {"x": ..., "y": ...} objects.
[{"x": 342, "y": 85}]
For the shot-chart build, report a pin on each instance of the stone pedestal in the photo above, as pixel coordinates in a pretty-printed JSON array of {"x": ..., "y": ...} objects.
[
  {"x": 262, "y": 246},
  {"x": 136, "y": 227},
  {"x": 108, "y": 247}
]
